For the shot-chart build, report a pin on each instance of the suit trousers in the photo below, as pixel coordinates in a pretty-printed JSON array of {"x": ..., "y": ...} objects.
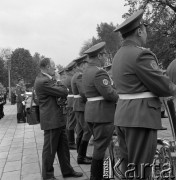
[
  {"x": 71, "y": 120},
  {"x": 82, "y": 128},
  {"x": 102, "y": 133},
  {"x": 137, "y": 146},
  {"x": 55, "y": 141}
]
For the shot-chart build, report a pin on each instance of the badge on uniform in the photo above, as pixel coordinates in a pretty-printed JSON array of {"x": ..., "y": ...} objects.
[
  {"x": 105, "y": 82},
  {"x": 154, "y": 65}
]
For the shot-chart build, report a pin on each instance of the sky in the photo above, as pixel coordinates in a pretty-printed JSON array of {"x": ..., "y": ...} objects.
[{"x": 55, "y": 28}]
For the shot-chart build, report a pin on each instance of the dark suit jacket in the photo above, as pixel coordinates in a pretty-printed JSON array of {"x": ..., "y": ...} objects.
[
  {"x": 135, "y": 70},
  {"x": 51, "y": 115},
  {"x": 96, "y": 82}
]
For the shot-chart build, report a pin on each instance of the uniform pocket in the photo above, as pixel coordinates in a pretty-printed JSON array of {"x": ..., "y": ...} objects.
[{"x": 154, "y": 103}]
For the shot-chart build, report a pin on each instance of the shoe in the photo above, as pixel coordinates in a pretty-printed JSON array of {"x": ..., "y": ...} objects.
[
  {"x": 163, "y": 128},
  {"x": 83, "y": 160},
  {"x": 89, "y": 157},
  {"x": 72, "y": 146},
  {"x": 53, "y": 178},
  {"x": 74, "y": 174}
]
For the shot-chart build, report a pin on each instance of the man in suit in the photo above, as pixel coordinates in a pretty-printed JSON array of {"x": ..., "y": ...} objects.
[
  {"x": 139, "y": 82},
  {"x": 52, "y": 121},
  {"x": 71, "y": 120},
  {"x": 100, "y": 106},
  {"x": 82, "y": 129}
]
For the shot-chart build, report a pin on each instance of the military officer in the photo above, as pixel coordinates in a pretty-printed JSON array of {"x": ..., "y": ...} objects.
[
  {"x": 71, "y": 120},
  {"x": 82, "y": 129},
  {"x": 171, "y": 72},
  {"x": 139, "y": 82},
  {"x": 100, "y": 105},
  {"x": 171, "y": 69},
  {"x": 20, "y": 91}
]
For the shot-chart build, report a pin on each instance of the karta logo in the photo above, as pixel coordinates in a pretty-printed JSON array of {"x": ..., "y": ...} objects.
[
  {"x": 165, "y": 172},
  {"x": 107, "y": 169}
]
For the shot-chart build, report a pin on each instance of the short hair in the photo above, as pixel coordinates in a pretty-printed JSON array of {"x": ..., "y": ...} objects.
[{"x": 45, "y": 62}]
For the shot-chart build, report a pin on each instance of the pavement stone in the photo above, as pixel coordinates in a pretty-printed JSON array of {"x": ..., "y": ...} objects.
[{"x": 21, "y": 149}]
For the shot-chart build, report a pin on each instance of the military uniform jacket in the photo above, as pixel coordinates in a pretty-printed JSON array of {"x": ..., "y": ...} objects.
[
  {"x": 51, "y": 115},
  {"x": 136, "y": 70},
  {"x": 67, "y": 83},
  {"x": 77, "y": 89},
  {"x": 96, "y": 82},
  {"x": 19, "y": 93},
  {"x": 171, "y": 71}
]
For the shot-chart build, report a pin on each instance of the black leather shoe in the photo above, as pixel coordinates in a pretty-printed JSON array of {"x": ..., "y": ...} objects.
[
  {"x": 83, "y": 160},
  {"x": 74, "y": 174},
  {"x": 89, "y": 157},
  {"x": 72, "y": 146}
]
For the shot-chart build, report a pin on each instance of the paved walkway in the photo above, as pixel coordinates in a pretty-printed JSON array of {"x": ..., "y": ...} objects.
[{"x": 21, "y": 149}]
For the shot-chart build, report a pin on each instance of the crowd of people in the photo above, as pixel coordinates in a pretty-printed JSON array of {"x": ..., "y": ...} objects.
[
  {"x": 88, "y": 99},
  {"x": 125, "y": 99}
]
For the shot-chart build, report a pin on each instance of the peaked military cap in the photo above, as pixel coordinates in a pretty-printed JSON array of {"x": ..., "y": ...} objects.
[
  {"x": 70, "y": 66},
  {"x": 81, "y": 59},
  {"x": 94, "y": 50},
  {"x": 62, "y": 71},
  {"x": 134, "y": 21}
]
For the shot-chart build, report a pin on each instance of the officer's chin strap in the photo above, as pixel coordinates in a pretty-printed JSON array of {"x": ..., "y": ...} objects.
[{"x": 51, "y": 147}]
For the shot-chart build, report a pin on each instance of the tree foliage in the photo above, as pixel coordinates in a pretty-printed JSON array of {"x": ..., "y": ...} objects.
[
  {"x": 5, "y": 54},
  {"x": 22, "y": 65},
  {"x": 161, "y": 17},
  {"x": 105, "y": 32},
  {"x": 113, "y": 40},
  {"x": 59, "y": 67}
]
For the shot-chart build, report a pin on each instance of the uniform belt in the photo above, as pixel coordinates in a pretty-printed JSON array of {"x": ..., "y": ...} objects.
[
  {"x": 77, "y": 96},
  {"x": 137, "y": 95},
  {"x": 70, "y": 95},
  {"x": 98, "y": 98}
]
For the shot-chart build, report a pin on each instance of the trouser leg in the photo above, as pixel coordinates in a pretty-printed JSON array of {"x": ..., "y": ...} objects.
[
  {"x": 79, "y": 131},
  {"x": 63, "y": 153},
  {"x": 51, "y": 140},
  {"x": 96, "y": 169},
  {"x": 82, "y": 158},
  {"x": 71, "y": 124},
  {"x": 137, "y": 146},
  {"x": 102, "y": 133}
]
